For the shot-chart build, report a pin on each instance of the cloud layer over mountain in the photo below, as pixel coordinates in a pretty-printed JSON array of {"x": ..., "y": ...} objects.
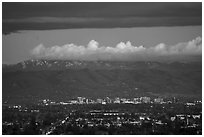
[{"x": 122, "y": 51}]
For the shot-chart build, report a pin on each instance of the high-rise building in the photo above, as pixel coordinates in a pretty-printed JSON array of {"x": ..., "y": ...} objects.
[
  {"x": 117, "y": 100},
  {"x": 145, "y": 99},
  {"x": 123, "y": 100},
  {"x": 80, "y": 100},
  {"x": 87, "y": 101},
  {"x": 99, "y": 100},
  {"x": 136, "y": 100},
  {"x": 158, "y": 100},
  {"x": 108, "y": 100}
]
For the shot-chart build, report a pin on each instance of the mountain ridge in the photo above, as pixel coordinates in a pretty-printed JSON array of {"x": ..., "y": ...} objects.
[
  {"x": 44, "y": 64},
  {"x": 62, "y": 79}
]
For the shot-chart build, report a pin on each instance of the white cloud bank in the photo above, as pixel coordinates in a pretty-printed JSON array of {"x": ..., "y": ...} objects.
[{"x": 122, "y": 51}]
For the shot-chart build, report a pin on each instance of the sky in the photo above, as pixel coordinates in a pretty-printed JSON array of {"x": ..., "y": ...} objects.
[{"x": 100, "y": 31}]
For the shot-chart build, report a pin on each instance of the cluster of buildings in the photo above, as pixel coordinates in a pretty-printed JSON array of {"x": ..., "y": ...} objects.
[
  {"x": 155, "y": 118},
  {"x": 107, "y": 100},
  {"x": 108, "y": 118}
]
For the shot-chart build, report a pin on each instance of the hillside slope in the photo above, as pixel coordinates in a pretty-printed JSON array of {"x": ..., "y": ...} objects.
[{"x": 59, "y": 81}]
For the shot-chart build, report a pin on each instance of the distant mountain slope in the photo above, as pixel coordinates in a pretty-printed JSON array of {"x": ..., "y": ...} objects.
[{"x": 61, "y": 80}]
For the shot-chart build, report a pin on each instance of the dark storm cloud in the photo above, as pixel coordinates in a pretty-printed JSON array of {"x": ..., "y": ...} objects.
[{"x": 43, "y": 16}]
